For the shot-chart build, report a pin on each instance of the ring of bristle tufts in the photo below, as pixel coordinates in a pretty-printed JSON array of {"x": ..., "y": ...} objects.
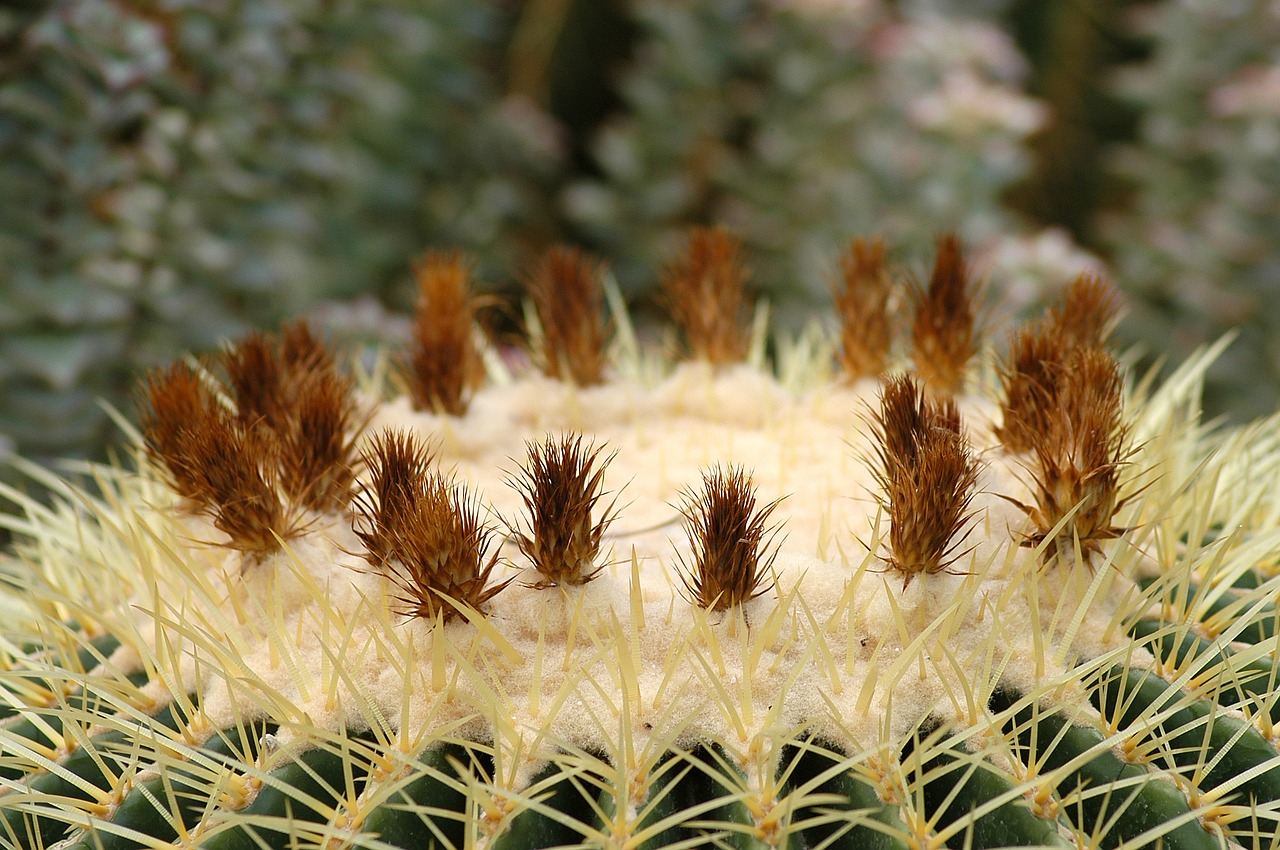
[
  {"x": 561, "y": 484},
  {"x": 444, "y": 364},
  {"x": 423, "y": 531},
  {"x": 731, "y": 539},
  {"x": 862, "y": 300},
  {"x": 705, "y": 293},
  {"x": 928, "y": 477},
  {"x": 944, "y": 333},
  {"x": 568, "y": 296}
]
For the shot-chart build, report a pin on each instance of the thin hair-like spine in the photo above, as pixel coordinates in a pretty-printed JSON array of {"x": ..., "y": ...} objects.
[
  {"x": 731, "y": 538},
  {"x": 561, "y": 484},
  {"x": 704, "y": 291},
  {"x": 928, "y": 477}
]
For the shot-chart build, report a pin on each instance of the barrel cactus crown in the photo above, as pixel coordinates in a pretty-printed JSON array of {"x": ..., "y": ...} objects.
[{"x": 901, "y": 581}]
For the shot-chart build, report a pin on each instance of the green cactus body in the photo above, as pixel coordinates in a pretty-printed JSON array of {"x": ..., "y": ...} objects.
[{"x": 207, "y": 696}]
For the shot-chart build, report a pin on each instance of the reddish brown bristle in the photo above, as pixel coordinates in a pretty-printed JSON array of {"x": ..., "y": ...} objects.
[
  {"x": 730, "y": 539},
  {"x": 317, "y": 448},
  {"x": 943, "y": 336},
  {"x": 1036, "y": 362},
  {"x": 1078, "y": 455},
  {"x": 254, "y": 372},
  {"x": 928, "y": 476},
  {"x": 561, "y": 486},
  {"x": 705, "y": 294},
  {"x": 289, "y": 388},
  {"x": 235, "y": 467},
  {"x": 424, "y": 532},
  {"x": 862, "y": 306},
  {"x": 569, "y": 299},
  {"x": 176, "y": 405},
  {"x": 1087, "y": 312},
  {"x": 302, "y": 352},
  {"x": 398, "y": 463},
  {"x": 444, "y": 365}
]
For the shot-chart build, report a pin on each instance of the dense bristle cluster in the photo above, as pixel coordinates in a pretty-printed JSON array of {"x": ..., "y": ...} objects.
[
  {"x": 1036, "y": 362},
  {"x": 928, "y": 476},
  {"x": 1087, "y": 312},
  {"x": 561, "y": 485},
  {"x": 423, "y": 531},
  {"x": 730, "y": 537},
  {"x": 287, "y": 446},
  {"x": 704, "y": 291},
  {"x": 1078, "y": 453},
  {"x": 862, "y": 303},
  {"x": 944, "y": 335},
  {"x": 569, "y": 299},
  {"x": 444, "y": 363}
]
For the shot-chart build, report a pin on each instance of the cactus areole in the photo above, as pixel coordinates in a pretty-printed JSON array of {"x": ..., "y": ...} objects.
[{"x": 939, "y": 592}]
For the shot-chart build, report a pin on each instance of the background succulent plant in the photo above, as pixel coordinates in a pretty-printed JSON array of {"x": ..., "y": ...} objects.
[{"x": 387, "y": 672}]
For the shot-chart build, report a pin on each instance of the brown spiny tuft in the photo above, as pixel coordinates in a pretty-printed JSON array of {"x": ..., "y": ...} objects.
[
  {"x": 731, "y": 540},
  {"x": 176, "y": 406},
  {"x": 862, "y": 305},
  {"x": 236, "y": 468},
  {"x": 302, "y": 352},
  {"x": 704, "y": 293},
  {"x": 1087, "y": 312},
  {"x": 398, "y": 463},
  {"x": 289, "y": 389},
  {"x": 561, "y": 486},
  {"x": 254, "y": 373},
  {"x": 226, "y": 469},
  {"x": 1078, "y": 453},
  {"x": 928, "y": 477},
  {"x": 1036, "y": 362},
  {"x": 444, "y": 363},
  {"x": 567, "y": 294},
  {"x": 943, "y": 336},
  {"x": 424, "y": 532},
  {"x": 317, "y": 446}
]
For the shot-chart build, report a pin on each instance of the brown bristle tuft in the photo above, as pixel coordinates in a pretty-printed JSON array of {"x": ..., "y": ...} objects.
[
  {"x": 444, "y": 364},
  {"x": 1087, "y": 312},
  {"x": 317, "y": 448},
  {"x": 398, "y": 463},
  {"x": 862, "y": 305},
  {"x": 569, "y": 299},
  {"x": 560, "y": 486},
  {"x": 256, "y": 379},
  {"x": 928, "y": 476},
  {"x": 943, "y": 336},
  {"x": 1078, "y": 454},
  {"x": 425, "y": 532},
  {"x": 289, "y": 388},
  {"x": 730, "y": 538},
  {"x": 236, "y": 469},
  {"x": 176, "y": 405},
  {"x": 302, "y": 352},
  {"x": 704, "y": 292},
  {"x": 1036, "y": 362}
]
